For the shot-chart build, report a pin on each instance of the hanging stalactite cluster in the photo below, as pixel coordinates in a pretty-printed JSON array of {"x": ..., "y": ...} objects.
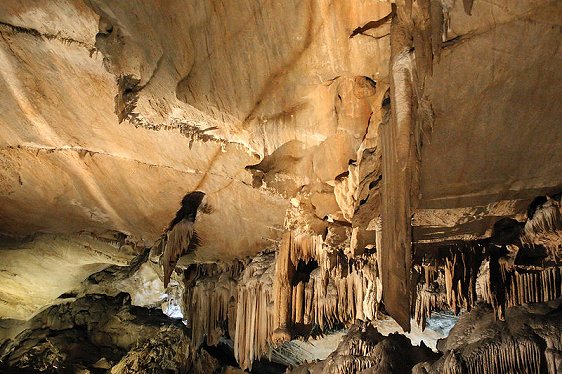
[
  {"x": 461, "y": 272},
  {"x": 459, "y": 275},
  {"x": 544, "y": 227},
  {"x": 447, "y": 281},
  {"x": 232, "y": 300},
  {"x": 254, "y": 311},
  {"x": 338, "y": 291},
  {"x": 428, "y": 294},
  {"x": 305, "y": 286},
  {"x": 521, "y": 285},
  {"x": 308, "y": 286},
  {"x": 210, "y": 300},
  {"x": 329, "y": 301}
]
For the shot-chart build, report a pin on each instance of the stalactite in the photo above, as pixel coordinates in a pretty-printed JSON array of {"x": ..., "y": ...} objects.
[
  {"x": 308, "y": 247},
  {"x": 210, "y": 292},
  {"x": 327, "y": 289},
  {"x": 505, "y": 356},
  {"x": 525, "y": 284},
  {"x": 254, "y": 312},
  {"x": 545, "y": 228},
  {"x": 336, "y": 300},
  {"x": 463, "y": 277},
  {"x": 284, "y": 269},
  {"x": 483, "y": 283},
  {"x": 177, "y": 241},
  {"x": 269, "y": 295},
  {"x": 339, "y": 291},
  {"x": 545, "y": 218},
  {"x": 466, "y": 277},
  {"x": 428, "y": 295},
  {"x": 448, "y": 281},
  {"x": 210, "y": 305},
  {"x": 396, "y": 207}
]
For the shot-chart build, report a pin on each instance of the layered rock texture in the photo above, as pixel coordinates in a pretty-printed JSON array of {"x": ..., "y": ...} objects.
[{"x": 218, "y": 186}]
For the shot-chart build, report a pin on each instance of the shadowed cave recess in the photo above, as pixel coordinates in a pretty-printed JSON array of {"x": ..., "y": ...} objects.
[{"x": 298, "y": 186}]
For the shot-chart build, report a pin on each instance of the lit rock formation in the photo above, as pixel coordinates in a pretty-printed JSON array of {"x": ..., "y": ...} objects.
[
  {"x": 528, "y": 341},
  {"x": 181, "y": 235},
  {"x": 254, "y": 314},
  {"x": 365, "y": 350},
  {"x": 96, "y": 332},
  {"x": 34, "y": 273}
]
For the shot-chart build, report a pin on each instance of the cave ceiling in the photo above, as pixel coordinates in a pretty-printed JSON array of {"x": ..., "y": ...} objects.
[{"x": 111, "y": 114}]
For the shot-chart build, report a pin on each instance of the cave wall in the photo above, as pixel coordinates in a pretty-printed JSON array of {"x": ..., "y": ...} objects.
[{"x": 400, "y": 158}]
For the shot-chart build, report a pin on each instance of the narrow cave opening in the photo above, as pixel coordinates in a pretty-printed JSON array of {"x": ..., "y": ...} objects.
[{"x": 303, "y": 270}]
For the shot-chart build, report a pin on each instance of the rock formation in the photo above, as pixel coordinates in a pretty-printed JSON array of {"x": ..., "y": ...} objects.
[
  {"x": 528, "y": 341},
  {"x": 339, "y": 167},
  {"x": 365, "y": 350},
  {"x": 100, "y": 332}
]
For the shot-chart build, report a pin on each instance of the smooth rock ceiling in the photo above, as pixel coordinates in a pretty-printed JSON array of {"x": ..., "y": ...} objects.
[
  {"x": 217, "y": 87},
  {"x": 396, "y": 135}
]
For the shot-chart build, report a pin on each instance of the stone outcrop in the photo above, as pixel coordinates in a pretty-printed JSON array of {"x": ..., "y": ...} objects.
[
  {"x": 34, "y": 273},
  {"x": 528, "y": 341},
  {"x": 97, "y": 331},
  {"x": 365, "y": 350}
]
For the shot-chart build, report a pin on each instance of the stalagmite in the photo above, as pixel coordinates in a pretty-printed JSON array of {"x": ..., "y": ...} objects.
[
  {"x": 529, "y": 341},
  {"x": 364, "y": 348}
]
